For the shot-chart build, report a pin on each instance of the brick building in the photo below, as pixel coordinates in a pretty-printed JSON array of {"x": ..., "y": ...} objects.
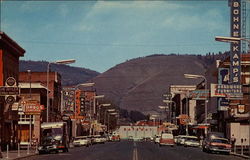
[
  {"x": 55, "y": 88},
  {"x": 10, "y": 52}
]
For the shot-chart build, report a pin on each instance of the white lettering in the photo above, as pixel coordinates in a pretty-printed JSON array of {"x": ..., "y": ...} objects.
[
  {"x": 235, "y": 48},
  {"x": 235, "y": 79},
  {"x": 236, "y": 4},
  {"x": 236, "y": 63},
  {"x": 236, "y": 34},
  {"x": 236, "y": 19},
  {"x": 236, "y": 26},
  {"x": 236, "y": 11},
  {"x": 235, "y": 70}
]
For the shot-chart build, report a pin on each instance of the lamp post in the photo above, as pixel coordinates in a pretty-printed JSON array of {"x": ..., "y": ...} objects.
[
  {"x": 112, "y": 113},
  {"x": 105, "y": 114},
  {"x": 233, "y": 40},
  {"x": 75, "y": 111},
  {"x": 96, "y": 97},
  {"x": 101, "y": 105},
  {"x": 194, "y": 76},
  {"x": 30, "y": 125},
  {"x": 56, "y": 62},
  {"x": 169, "y": 101}
]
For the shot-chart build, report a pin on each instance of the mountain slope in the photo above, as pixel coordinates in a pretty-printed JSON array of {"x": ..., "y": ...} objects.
[
  {"x": 70, "y": 75},
  {"x": 139, "y": 84}
]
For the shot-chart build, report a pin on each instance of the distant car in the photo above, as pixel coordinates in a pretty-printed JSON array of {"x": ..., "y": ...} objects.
[
  {"x": 137, "y": 139},
  {"x": 115, "y": 138},
  {"x": 157, "y": 139},
  {"x": 167, "y": 139},
  {"x": 81, "y": 141},
  {"x": 98, "y": 139},
  {"x": 181, "y": 139},
  {"x": 221, "y": 145},
  {"x": 191, "y": 141},
  {"x": 130, "y": 138}
]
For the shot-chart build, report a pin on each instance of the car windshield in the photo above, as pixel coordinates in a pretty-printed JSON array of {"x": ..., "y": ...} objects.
[
  {"x": 191, "y": 139},
  {"x": 167, "y": 136}
]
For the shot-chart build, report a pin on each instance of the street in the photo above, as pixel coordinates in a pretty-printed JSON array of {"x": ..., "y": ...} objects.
[{"x": 129, "y": 150}]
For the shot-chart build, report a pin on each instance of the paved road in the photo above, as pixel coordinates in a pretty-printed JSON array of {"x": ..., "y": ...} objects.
[{"x": 129, "y": 150}]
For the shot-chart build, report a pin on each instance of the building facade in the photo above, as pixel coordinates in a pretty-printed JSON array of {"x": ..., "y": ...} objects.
[{"x": 10, "y": 52}]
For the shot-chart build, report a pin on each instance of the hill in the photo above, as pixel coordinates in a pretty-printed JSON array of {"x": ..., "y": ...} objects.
[
  {"x": 139, "y": 84},
  {"x": 70, "y": 75}
]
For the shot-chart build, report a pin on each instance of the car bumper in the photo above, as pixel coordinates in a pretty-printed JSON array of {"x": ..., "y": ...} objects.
[{"x": 219, "y": 149}]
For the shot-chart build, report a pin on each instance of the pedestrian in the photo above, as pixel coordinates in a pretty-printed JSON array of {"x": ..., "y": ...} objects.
[
  {"x": 201, "y": 140},
  {"x": 233, "y": 140}
]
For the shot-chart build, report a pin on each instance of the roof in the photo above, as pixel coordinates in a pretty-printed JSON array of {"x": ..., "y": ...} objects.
[
  {"x": 6, "y": 41},
  {"x": 30, "y": 85}
]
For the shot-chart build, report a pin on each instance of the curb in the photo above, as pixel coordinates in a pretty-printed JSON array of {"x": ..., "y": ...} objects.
[{"x": 240, "y": 155}]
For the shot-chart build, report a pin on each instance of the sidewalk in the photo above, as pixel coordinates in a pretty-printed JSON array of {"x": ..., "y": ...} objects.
[
  {"x": 13, "y": 154},
  {"x": 240, "y": 155}
]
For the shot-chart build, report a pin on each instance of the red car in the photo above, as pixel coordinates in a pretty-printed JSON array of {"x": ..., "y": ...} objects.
[{"x": 167, "y": 139}]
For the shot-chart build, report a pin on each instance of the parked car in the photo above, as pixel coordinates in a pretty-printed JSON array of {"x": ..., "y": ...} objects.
[
  {"x": 181, "y": 139},
  {"x": 157, "y": 139},
  {"x": 81, "y": 141},
  {"x": 115, "y": 138},
  {"x": 98, "y": 139},
  {"x": 167, "y": 139},
  {"x": 191, "y": 141},
  {"x": 216, "y": 145}
]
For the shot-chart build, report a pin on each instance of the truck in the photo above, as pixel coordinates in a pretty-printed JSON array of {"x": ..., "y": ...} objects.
[{"x": 54, "y": 137}]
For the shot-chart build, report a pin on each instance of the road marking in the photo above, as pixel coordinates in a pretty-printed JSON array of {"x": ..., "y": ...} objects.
[
  {"x": 134, "y": 144},
  {"x": 135, "y": 152}
]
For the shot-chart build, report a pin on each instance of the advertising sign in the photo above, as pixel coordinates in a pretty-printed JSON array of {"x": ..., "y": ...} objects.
[
  {"x": 241, "y": 108},
  {"x": 9, "y": 91},
  {"x": 226, "y": 90},
  {"x": 32, "y": 107},
  {"x": 235, "y": 49},
  {"x": 223, "y": 78},
  {"x": 199, "y": 94}
]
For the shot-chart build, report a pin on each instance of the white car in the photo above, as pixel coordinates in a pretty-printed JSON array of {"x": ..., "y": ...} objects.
[
  {"x": 81, "y": 141},
  {"x": 191, "y": 141},
  {"x": 98, "y": 139}
]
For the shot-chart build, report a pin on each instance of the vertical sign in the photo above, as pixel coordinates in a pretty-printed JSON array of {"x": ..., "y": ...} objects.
[
  {"x": 223, "y": 78},
  {"x": 235, "y": 49},
  {"x": 1, "y": 67}
]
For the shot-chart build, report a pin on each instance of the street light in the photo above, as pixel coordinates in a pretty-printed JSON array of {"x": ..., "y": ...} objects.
[
  {"x": 81, "y": 85},
  {"x": 101, "y": 105},
  {"x": 94, "y": 103},
  {"x": 232, "y": 40},
  {"x": 194, "y": 76},
  {"x": 56, "y": 62},
  {"x": 112, "y": 113},
  {"x": 170, "y": 101}
]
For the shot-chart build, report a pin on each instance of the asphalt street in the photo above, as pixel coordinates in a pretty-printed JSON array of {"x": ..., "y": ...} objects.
[{"x": 129, "y": 150}]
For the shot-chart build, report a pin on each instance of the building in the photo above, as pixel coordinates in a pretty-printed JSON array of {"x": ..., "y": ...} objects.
[
  {"x": 29, "y": 123},
  {"x": 55, "y": 88},
  {"x": 234, "y": 116},
  {"x": 10, "y": 52}
]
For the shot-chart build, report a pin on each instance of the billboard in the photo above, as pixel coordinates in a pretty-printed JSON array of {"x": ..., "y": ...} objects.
[{"x": 235, "y": 48}]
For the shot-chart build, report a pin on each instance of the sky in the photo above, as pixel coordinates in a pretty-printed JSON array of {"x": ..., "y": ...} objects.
[{"x": 102, "y": 34}]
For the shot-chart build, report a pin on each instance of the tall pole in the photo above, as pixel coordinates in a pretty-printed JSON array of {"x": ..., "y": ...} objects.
[
  {"x": 205, "y": 81},
  {"x": 29, "y": 72},
  {"x": 48, "y": 106},
  {"x": 187, "y": 112}
]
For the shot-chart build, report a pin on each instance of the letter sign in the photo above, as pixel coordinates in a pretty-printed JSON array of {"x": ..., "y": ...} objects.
[{"x": 235, "y": 51}]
